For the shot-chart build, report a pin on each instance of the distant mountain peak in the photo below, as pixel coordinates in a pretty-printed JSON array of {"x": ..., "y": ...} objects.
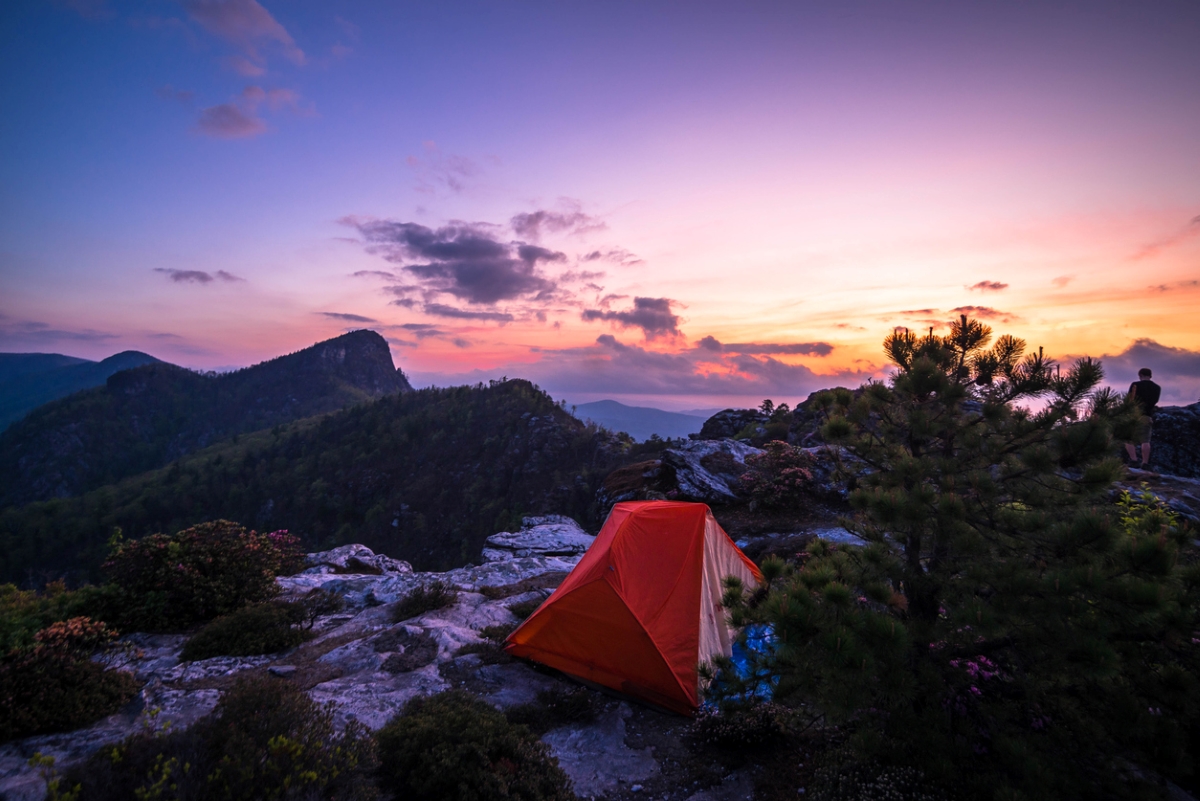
[{"x": 144, "y": 417}]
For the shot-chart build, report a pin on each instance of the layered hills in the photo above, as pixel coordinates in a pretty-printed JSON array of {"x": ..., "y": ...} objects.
[
  {"x": 146, "y": 417},
  {"x": 28, "y": 380},
  {"x": 423, "y": 476},
  {"x": 640, "y": 422}
]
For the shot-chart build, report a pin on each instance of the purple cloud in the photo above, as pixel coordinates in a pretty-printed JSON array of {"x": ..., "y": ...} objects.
[
  {"x": 532, "y": 224},
  {"x": 652, "y": 315},
  {"x": 767, "y": 348},
  {"x": 440, "y": 310},
  {"x": 988, "y": 286},
  {"x": 461, "y": 260},
  {"x": 196, "y": 276},
  {"x": 348, "y": 318}
]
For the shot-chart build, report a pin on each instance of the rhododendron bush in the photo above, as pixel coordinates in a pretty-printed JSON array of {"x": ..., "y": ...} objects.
[{"x": 172, "y": 582}]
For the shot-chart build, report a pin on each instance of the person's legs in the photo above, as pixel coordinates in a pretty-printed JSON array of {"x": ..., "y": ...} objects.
[
  {"x": 1131, "y": 449},
  {"x": 1145, "y": 453}
]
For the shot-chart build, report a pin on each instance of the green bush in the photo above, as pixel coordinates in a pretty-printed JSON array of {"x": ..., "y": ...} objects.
[
  {"x": 425, "y": 598},
  {"x": 170, "y": 583},
  {"x": 266, "y": 740},
  {"x": 259, "y": 629},
  {"x": 23, "y": 613},
  {"x": 554, "y": 708},
  {"x": 778, "y": 477},
  {"x": 454, "y": 747},
  {"x": 523, "y": 609},
  {"x": 55, "y": 685}
]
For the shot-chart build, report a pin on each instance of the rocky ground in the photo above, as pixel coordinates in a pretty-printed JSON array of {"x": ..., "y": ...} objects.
[{"x": 368, "y": 664}]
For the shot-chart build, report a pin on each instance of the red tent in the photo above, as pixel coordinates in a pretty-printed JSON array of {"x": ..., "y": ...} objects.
[{"x": 642, "y": 609}]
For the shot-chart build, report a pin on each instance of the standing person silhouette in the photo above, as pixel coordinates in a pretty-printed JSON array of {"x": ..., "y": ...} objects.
[{"x": 1146, "y": 393}]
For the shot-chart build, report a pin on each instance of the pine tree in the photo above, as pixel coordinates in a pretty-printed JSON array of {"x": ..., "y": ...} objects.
[{"x": 1007, "y": 628}]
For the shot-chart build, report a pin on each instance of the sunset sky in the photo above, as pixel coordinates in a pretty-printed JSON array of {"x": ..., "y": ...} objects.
[{"x": 674, "y": 204}]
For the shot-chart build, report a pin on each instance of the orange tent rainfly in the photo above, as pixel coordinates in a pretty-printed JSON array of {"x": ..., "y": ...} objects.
[{"x": 642, "y": 609}]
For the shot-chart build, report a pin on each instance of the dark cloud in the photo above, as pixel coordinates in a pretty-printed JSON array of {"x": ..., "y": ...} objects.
[
  {"x": 196, "y": 276},
  {"x": 372, "y": 273},
  {"x": 423, "y": 330},
  {"x": 988, "y": 286},
  {"x": 1177, "y": 370},
  {"x": 573, "y": 276},
  {"x": 533, "y": 224},
  {"x": 402, "y": 343},
  {"x": 652, "y": 315},
  {"x": 439, "y": 310},
  {"x": 919, "y": 312},
  {"x": 615, "y": 255},
  {"x": 1176, "y": 285},
  {"x": 629, "y": 369},
  {"x": 1062, "y": 280},
  {"x": 227, "y": 121},
  {"x": 18, "y": 334},
  {"x": 985, "y": 313},
  {"x": 459, "y": 342},
  {"x": 461, "y": 260},
  {"x": 348, "y": 318},
  {"x": 532, "y": 254},
  {"x": 767, "y": 348}
]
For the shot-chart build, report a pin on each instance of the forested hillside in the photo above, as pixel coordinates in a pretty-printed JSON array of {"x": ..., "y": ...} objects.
[
  {"x": 424, "y": 476},
  {"x": 146, "y": 417},
  {"x": 28, "y": 380}
]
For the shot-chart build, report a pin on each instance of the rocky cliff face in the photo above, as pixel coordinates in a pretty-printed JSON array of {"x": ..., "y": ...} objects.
[
  {"x": 145, "y": 417},
  {"x": 1175, "y": 443}
]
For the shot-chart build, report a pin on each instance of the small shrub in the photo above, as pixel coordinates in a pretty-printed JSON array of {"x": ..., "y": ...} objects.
[
  {"x": 498, "y": 633},
  {"x": 266, "y": 740},
  {"x": 258, "y": 629},
  {"x": 554, "y": 708},
  {"x": 778, "y": 477},
  {"x": 523, "y": 609},
  {"x": 454, "y": 747},
  {"x": 750, "y": 726},
  {"x": 55, "y": 685},
  {"x": 170, "y": 583},
  {"x": 425, "y": 598},
  {"x": 23, "y": 613}
]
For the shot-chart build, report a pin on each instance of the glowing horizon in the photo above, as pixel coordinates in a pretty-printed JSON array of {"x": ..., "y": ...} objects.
[{"x": 678, "y": 210}]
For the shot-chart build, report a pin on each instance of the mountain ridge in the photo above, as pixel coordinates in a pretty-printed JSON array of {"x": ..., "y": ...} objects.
[
  {"x": 640, "y": 422},
  {"x": 30, "y": 380},
  {"x": 148, "y": 416}
]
